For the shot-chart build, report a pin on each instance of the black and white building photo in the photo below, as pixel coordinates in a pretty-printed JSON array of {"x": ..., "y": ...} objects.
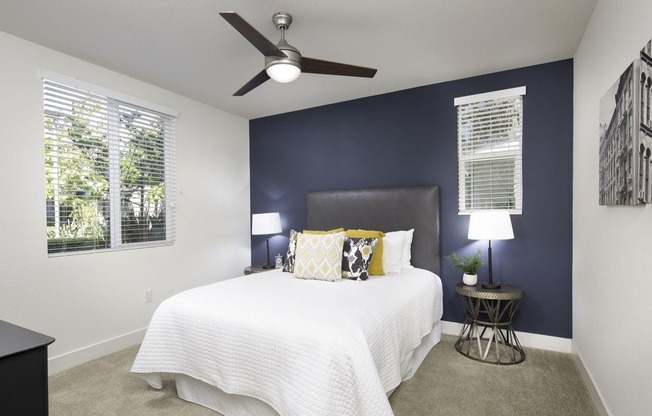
[{"x": 626, "y": 136}]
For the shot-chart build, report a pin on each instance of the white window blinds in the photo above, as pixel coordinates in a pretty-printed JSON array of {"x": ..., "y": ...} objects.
[
  {"x": 109, "y": 169},
  {"x": 489, "y": 145}
]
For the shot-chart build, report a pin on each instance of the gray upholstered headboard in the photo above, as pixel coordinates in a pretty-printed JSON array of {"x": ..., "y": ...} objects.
[{"x": 385, "y": 209}]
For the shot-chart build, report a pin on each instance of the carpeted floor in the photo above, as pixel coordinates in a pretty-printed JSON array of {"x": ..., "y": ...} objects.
[{"x": 447, "y": 384}]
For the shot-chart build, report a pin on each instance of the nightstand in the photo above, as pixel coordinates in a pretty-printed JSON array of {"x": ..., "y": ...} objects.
[
  {"x": 255, "y": 269},
  {"x": 23, "y": 371},
  {"x": 490, "y": 310}
]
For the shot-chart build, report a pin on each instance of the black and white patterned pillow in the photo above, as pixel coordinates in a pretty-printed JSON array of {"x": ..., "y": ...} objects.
[
  {"x": 288, "y": 266},
  {"x": 357, "y": 256}
]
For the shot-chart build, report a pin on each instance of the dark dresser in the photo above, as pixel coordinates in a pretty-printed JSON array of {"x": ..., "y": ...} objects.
[{"x": 23, "y": 371}]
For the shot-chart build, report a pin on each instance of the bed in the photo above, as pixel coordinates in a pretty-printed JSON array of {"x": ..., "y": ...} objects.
[{"x": 270, "y": 344}]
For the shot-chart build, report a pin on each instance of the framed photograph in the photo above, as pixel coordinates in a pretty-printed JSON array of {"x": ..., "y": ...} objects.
[{"x": 626, "y": 136}]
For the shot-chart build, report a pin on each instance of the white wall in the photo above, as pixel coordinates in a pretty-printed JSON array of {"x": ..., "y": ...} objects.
[
  {"x": 85, "y": 300},
  {"x": 612, "y": 250}
]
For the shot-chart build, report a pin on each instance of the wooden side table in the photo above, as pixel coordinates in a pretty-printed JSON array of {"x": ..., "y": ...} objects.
[
  {"x": 255, "y": 269},
  {"x": 490, "y": 310}
]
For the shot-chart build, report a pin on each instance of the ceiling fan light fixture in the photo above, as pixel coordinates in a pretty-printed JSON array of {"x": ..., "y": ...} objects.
[
  {"x": 287, "y": 68},
  {"x": 283, "y": 72}
]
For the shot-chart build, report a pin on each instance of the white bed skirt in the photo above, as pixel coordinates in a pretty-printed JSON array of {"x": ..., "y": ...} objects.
[{"x": 196, "y": 391}]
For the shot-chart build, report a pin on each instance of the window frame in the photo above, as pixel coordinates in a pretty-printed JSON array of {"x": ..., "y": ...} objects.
[
  {"x": 114, "y": 100},
  {"x": 515, "y": 154}
]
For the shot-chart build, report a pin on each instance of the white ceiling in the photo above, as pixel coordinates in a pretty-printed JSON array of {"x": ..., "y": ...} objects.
[{"x": 186, "y": 47}]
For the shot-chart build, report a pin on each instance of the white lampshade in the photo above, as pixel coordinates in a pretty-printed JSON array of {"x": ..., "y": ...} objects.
[
  {"x": 490, "y": 225},
  {"x": 267, "y": 223},
  {"x": 283, "y": 72}
]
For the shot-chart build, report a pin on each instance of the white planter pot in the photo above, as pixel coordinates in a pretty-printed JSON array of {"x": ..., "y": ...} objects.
[{"x": 470, "y": 279}]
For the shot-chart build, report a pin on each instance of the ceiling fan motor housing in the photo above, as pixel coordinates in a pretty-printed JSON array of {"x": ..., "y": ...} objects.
[{"x": 293, "y": 56}]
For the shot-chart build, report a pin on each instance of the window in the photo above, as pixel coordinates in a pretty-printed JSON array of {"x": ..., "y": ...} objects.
[
  {"x": 109, "y": 166},
  {"x": 642, "y": 97},
  {"x": 489, "y": 146}
]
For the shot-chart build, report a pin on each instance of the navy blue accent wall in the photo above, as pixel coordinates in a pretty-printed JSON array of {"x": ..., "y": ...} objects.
[{"x": 409, "y": 138}]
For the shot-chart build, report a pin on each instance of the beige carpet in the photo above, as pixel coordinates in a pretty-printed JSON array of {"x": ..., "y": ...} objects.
[{"x": 447, "y": 384}]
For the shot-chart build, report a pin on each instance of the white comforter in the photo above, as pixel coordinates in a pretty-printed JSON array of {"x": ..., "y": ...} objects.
[{"x": 304, "y": 347}]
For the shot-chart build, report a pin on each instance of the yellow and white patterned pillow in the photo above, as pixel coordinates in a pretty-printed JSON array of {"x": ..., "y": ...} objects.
[{"x": 319, "y": 256}]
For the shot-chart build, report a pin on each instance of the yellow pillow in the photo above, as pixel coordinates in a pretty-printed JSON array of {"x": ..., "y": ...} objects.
[
  {"x": 318, "y": 232},
  {"x": 376, "y": 266}
]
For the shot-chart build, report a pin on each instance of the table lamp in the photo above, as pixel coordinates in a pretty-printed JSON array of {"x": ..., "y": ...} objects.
[
  {"x": 490, "y": 225},
  {"x": 266, "y": 224}
]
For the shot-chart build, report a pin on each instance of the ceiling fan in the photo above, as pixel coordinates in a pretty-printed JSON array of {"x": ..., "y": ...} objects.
[{"x": 283, "y": 62}]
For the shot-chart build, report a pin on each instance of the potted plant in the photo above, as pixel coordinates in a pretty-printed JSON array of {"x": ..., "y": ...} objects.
[{"x": 469, "y": 265}]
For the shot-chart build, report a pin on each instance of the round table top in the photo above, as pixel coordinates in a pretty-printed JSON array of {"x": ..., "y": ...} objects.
[
  {"x": 506, "y": 292},
  {"x": 256, "y": 269}
]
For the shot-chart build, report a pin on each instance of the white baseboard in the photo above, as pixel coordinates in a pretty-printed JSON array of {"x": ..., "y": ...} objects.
[
  {"x": 544, "y": 342},
  {"x": 596, "y": 397},
  {"x": 82, "y": 355}
]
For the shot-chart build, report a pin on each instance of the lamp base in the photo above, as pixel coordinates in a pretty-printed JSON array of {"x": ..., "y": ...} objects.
[
  {"x": 269, "y": 266},
  {"x": 491, "y": 286}
]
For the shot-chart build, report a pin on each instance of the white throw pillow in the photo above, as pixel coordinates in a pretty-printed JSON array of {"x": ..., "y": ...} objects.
[
  {"x": 319, "y": 256},
  {"x": 407, "y": 250},
  {"x": 393, "y": 243}
]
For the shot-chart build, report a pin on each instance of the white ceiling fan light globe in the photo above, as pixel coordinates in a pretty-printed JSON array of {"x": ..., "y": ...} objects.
[
  {"x": 287, "y": 68},
  {"x": 283, "y": 72}
]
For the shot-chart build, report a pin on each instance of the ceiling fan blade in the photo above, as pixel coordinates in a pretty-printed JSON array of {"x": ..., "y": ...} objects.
[
  {"x": 254, "y": 37},
  {"x": 253, "y": 83},
  {"x": 317, "y": 66}
]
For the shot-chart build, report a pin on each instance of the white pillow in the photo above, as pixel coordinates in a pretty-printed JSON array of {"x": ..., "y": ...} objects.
[
  {"x": 319, "y": 256},
  {"x": 393, "y": 243},
  {"x": 406, "y": 258},
  {"x": 406, "y": 248}
]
